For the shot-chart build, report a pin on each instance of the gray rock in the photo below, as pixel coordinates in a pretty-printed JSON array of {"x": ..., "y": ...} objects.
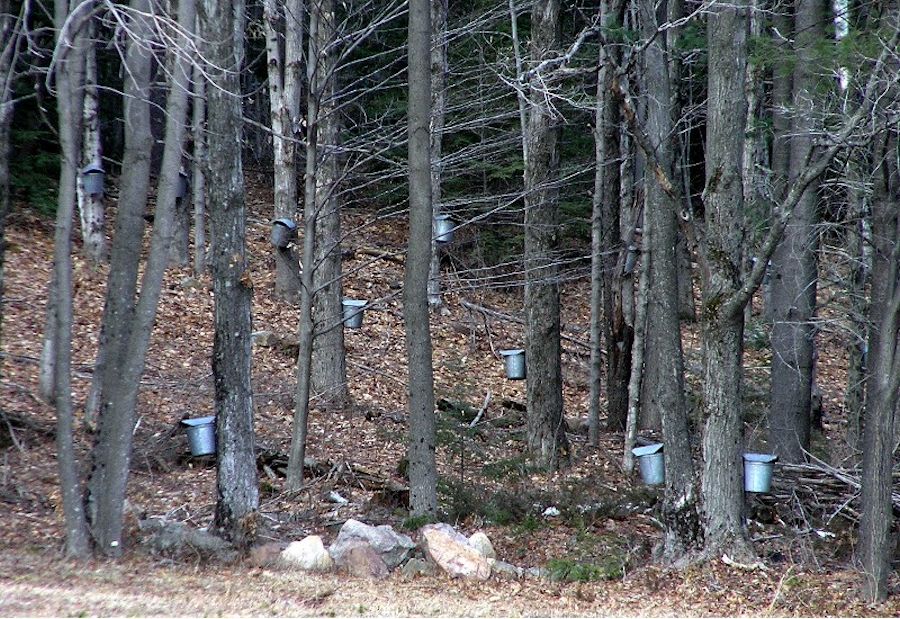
[
  {"x": 265, "y": 555},
  {"x": 453, "y": 554},
  {"x": 480, "y": 542},
  {"x": 308, "y": 554},
  {"x": 417, "y": 567},
  {"x": 359, "y": 559},
  {"x": 506, "y": 571},
  {"x": 391, "y": 546},
  {"x": 178, "y": 539},
  {"x": 536, "y": 573}
]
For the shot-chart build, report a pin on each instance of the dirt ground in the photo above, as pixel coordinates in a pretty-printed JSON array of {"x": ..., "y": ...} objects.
[{"x": 607, "y": 517}]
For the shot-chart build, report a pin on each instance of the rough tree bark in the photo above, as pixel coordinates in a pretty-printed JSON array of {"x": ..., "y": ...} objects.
[
  {"x": 328, "y": 370},
  {"x": 722, "y": 313},
  {"x": 663, "y": 383},
  {"x": 236, "y": 481},
  {"x": 422, "y": 466},
  {"x": 198, "y": 186},
  {"x": 547, "y": 441},
  {"x": 794, "y": 264},
  {"x": 884, "y": 373},
  {"x": 607, "y": 318}
]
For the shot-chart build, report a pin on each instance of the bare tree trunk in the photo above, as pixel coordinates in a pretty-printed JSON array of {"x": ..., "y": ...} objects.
[
  {"x": 69, "y": 83},
  {"x": 547, "y": 441},
  {"x": 112, "y": 453},
  {"x": 134, "y": 186},
  {"x": 198, "y": 186},
  {"x": 106, "y": 485},
  {"x": 91, "y": 206},
  {"x": 794, "y": 263},
  {"x": 237, "y": 488},
  {"x": 604, "y": 242},
  {"x": 328, "y": 371},
  {"x": 875, "y": 544},
  {"x": 439, "y": 71},
  {"x": 663, "y": 383},
  {"x": 855, "y": 395},
  {"x": 422, "y": 466},
  {"x": 305, "y": 336},
  {"x": 722, "y": 251},
  {"x": 284, "y": 95}
]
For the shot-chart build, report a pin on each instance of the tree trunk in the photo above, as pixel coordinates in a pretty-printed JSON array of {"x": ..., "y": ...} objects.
[
  {"x": 305, "y": 335},
  {"x": 284, "y": 95},
  {"x": 605, "y": 245},
  {"x": 547, "y": 441},
  {"x": 69, "y": 83},
  {"x": 91, "y": 206},
  {"x": 794, "y": 263},
  {"x": 106, "y": 486},
  {"x": 663, "y": 383},
  {"x": 439, "y": 71},
  {"x": 329, "y": 370},
  {"x": 422, "y": 466},
  {"x": 875, "y": 544},
  {"x": 112, "y": 453},
  {"x": 134, "y": 185},
  {"x": 236, "y": 481},
  {"x": 722, "y": 315},
  {"x": 198, "y": 186}
]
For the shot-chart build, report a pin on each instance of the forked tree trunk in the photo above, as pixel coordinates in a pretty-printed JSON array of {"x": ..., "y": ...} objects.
[
  {"x": 236, "y": 480},
  {"x": 106, "y": 486},
  {"x": 134, "y": 186},
  {"x": 546, "y": 436},
  {"x": 112, "y": 453},
  {"x": 422, "y": 467}
]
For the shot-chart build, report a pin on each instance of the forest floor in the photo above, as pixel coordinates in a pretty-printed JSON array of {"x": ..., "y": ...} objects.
[{"x": 606, "y": 520}]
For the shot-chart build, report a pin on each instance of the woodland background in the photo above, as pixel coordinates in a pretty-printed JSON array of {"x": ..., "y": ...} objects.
[{"x": 686, "y": 214}]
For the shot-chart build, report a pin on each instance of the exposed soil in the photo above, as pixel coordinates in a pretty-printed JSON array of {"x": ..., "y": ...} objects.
[{"x": 607, "y": 518}]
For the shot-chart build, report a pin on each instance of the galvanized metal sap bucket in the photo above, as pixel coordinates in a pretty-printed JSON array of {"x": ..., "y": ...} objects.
[
  {"x": 652, "y": 463},
  {"x": 443, "y": 229},
  {"x": 284, "y": 231},
  {"x": 514, "y": 361},
  {"x": 758, "y": 471},
  {"x": 201, "y": 434},
  {"x": 353, "y": 312}
]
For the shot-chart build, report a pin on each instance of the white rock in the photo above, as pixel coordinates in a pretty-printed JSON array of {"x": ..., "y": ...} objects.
[
  {"x": 480, "y": 542},
  {"x": 308, "y": 554},
  {"x": 551, "y": 512},
  {"x": 457, "y": 558}
]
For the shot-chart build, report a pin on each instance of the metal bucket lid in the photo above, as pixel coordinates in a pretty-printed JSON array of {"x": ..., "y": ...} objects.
[
  {"x": 287, "y": 223},
  {"x": 354, "y": 302},
  {"x": 514, "y": 351},
  {"x": 765, "y": 458},
  {"x": 199, "y": 421},
  {"x": 647, "y": 450}
]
